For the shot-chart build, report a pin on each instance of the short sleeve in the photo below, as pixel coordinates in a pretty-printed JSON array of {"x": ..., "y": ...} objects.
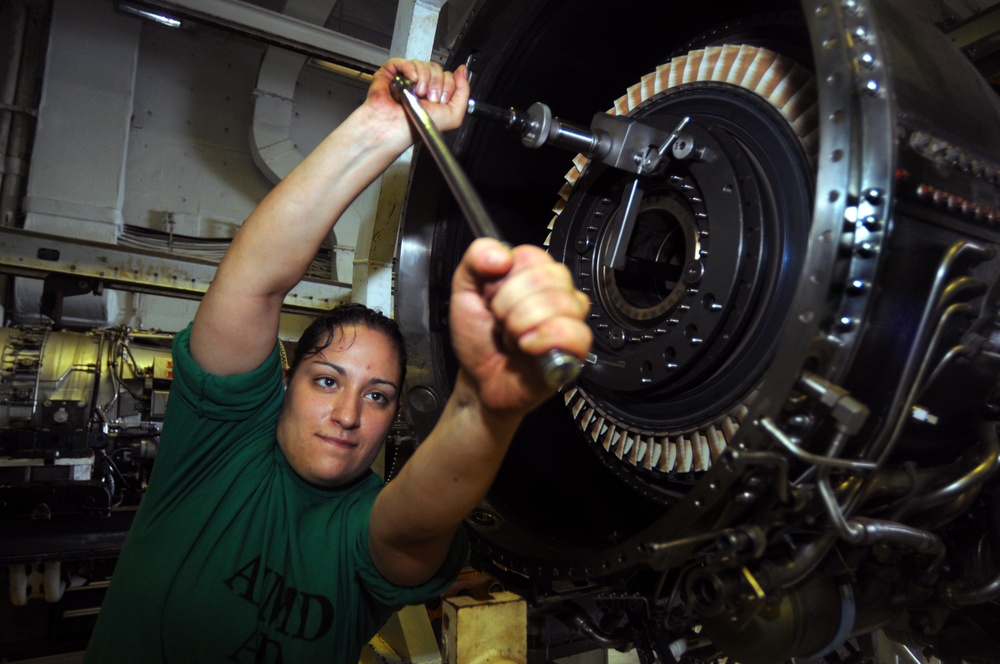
[
  {"x": 389, "y": 594},
  {"x": 213, "y": 423},
  {"x": 222, "y": 398}
]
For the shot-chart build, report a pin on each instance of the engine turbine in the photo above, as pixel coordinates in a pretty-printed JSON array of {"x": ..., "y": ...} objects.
[{"x": 785, "y": 435}]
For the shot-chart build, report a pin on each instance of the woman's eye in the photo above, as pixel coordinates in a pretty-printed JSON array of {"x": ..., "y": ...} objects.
[
  {"x": 378, "y": 397},
  {"x": 326, "y": 381}
]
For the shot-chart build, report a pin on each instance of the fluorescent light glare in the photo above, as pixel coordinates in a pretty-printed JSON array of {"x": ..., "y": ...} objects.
[{"x": 162, "y": 19}]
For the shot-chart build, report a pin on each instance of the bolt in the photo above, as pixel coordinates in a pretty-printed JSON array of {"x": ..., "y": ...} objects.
[
  {"x": 694, "y": 271},
  {"x": 920, "y": 141},
  {"x": 800, "y": 422},
  {"x": 872, "y": 223},
  {"x": 617, "y": 338},
  {"x": 874, "y": 196},
  {"x": 423, "y": 399},
  {"x": 857, "y": 287},
  {"x": 683, "y": 147},
  {"x": 483, "y": 518},
  {"x": 866, "y": 249}
]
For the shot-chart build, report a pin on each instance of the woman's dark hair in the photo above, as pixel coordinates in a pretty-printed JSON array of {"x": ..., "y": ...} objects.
[{"x": 322, "y": 331}]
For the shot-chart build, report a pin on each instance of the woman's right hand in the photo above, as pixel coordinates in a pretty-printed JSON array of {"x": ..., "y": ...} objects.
[{"x": 444, "y": 95}]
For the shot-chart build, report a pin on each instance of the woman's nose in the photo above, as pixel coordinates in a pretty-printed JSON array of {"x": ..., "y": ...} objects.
[{"x": 346, "y": 411}]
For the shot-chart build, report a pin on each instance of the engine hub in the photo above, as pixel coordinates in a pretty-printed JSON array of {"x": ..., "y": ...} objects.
[{"x": 685, "y": 330}]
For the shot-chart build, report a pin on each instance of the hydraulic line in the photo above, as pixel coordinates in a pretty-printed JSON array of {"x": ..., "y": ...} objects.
[
  {"x": 915, "y": 368},
  {"x": 988, "y": 463}
]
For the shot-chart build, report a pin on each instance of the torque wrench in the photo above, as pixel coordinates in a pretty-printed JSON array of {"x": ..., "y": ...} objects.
[{"x": 558, "y": 367}]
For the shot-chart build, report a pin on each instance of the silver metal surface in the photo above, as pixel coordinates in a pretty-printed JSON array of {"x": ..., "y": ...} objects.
[
  {"x": 280, "y": 29},
  {"x": 37, "y": 255}
]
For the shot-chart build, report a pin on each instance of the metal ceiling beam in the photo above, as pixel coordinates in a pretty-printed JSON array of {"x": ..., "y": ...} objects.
[
  {"x": 278, "y": 29},
  {"x": 976, "y": 28},
  {"x": 38, "y": 255}
]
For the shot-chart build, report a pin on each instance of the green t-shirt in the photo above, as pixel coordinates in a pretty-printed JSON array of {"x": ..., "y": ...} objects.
[{"x": 232, "y": 556}]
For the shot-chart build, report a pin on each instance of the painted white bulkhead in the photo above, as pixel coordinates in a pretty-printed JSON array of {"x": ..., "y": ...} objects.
[{"x": 166, "y": 139}]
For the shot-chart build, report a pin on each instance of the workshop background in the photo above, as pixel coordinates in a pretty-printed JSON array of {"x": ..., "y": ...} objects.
[{"x": 136, "y": 137}]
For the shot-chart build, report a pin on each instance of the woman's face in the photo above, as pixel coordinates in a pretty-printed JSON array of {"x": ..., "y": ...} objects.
[{"x": 339, "y": 406}]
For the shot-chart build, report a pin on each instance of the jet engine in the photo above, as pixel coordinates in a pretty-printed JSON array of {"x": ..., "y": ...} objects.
[
  {"x": 786, "y": 217},
  {"x": 80, "y": 417}
]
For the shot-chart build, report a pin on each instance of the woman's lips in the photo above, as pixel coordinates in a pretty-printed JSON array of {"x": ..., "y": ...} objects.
[{"x": 336, "y": 441}]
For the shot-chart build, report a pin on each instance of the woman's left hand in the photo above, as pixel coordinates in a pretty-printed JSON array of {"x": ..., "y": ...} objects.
[{"x": 508, "y": 308}]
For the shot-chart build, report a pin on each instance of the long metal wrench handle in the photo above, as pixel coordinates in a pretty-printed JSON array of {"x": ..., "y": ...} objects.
[{"x": 558, "y": 367}]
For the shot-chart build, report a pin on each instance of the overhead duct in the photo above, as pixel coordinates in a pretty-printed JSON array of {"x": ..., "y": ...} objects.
[{"x": 271, "y": 145}]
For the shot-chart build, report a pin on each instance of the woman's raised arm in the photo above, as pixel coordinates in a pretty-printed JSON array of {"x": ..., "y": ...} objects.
[{"x": 236, "y": 325}]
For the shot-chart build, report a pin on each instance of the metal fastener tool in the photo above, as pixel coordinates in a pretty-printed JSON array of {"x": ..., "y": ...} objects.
[{"x": 558, "y": 367}]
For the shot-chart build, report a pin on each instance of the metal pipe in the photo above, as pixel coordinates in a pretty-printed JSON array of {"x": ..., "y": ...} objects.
[
  {"x": 778, "y": 435},
  {"x": 964, "y": 592},
  {"x": 916, "y": 363},
  {"x": 578, "y": 619},
  {"x": 279, "y": 29},
  {"x": 918, "y": 359},
  {"x": 892, "y": 483},
  {"x": 922, "y": 541},
  {"x": 774, "y": 575},
  {"x": 869, "y": 531},
  {"x": 958, "y": 309},
  {"x": 847, "y": 530},
  {"x": 955, "y": 352},
  {"x": 12, "y": 55},
  {"x": 26, "y": 97},
  {"x": 988, "y": 463}
]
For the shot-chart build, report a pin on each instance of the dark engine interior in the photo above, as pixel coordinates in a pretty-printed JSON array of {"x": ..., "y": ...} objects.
[{"x": 785, "y": 435}]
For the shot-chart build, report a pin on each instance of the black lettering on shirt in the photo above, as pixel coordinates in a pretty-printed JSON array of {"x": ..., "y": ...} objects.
[
  {"x": 280, "y": 600},
  {"x": 248, "y": 574},
  {"x": 258, "y": 649},
  {"x": 279, "y": 604},
  {"x": 325, "y": 607}
]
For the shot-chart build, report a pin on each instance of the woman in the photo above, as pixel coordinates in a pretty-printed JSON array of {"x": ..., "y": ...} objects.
[{"x": 264, "y": 536}]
